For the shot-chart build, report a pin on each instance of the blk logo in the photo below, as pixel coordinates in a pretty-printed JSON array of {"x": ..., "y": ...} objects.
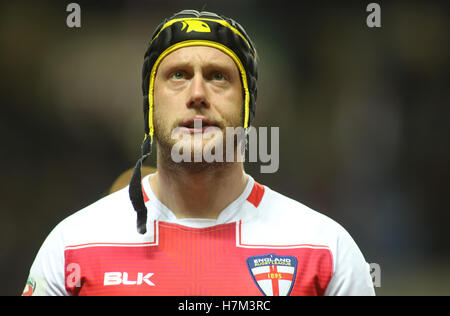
[{"x": 117, "y": 278}]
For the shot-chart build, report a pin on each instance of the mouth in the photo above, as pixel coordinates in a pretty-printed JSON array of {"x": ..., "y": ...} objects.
[{"x": 196, "y": 125}]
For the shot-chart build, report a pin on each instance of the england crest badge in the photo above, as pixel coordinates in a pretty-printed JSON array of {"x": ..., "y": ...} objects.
[{"x": 274, "y": 275}]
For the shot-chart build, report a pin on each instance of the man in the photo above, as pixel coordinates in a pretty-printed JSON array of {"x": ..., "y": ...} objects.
[{"x": 203, "y": 228}]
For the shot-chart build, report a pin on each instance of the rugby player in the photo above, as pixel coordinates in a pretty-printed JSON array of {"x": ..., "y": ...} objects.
[{"x": 198, "y": 227}]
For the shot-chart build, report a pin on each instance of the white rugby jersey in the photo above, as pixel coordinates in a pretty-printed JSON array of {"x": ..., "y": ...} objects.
[{"x": 263, "y": 243}]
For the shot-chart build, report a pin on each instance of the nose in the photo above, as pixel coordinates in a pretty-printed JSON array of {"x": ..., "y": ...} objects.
[{"x": 198, "y": 94}]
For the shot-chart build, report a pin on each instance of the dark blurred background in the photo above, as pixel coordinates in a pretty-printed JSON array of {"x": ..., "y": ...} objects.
[{"x": 363, "y": 114}]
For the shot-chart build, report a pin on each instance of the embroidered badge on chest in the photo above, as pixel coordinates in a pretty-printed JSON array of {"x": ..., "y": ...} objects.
[{"x": 274, "y": 275}]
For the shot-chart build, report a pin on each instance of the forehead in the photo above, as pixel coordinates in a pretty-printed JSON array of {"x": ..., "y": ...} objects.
[{"x": 198, "y": 55}]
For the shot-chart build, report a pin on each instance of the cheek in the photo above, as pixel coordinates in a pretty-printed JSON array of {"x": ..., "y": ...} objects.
[
  {"x": 159, "y": 97},
  {"x": 231, "y": 107},
  {"x": 160, "y": 112},
  {"x": 169, "y": 100},
  {"x": 162, "y": 102}
]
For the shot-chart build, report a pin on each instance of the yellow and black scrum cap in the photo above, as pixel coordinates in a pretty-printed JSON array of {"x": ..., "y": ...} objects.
[
  {"x": 184, "y": 29},
  {"x": 193, "y": 28}
]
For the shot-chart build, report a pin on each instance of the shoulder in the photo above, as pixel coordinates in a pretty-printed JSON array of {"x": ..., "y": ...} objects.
[
  {"x": 106, "y": 220},
  {"x": 281, "y": 221},
  {"x": 291, "y": 214},
  {"x": 289, "y": 223},
  {"x": 101, "y": 222}
]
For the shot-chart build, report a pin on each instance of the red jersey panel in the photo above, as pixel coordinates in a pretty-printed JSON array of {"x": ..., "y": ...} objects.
[{"x": 196, "y": 261}]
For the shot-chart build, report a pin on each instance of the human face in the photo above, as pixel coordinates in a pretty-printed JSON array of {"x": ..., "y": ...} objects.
[{"x": 196, "y": 83}]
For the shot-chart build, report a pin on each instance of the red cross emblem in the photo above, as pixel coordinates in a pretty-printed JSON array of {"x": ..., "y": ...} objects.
[{"x": 274, "y": 275}]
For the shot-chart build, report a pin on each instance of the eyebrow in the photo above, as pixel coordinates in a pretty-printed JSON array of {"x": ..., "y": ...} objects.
[{"x": 224, "y": 67}]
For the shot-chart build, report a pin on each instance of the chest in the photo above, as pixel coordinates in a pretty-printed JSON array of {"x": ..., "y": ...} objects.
[{"x": 186, "y": 261}]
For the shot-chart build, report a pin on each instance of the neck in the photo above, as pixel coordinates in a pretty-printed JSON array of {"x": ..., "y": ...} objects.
[{"x": 201, "y": 192}]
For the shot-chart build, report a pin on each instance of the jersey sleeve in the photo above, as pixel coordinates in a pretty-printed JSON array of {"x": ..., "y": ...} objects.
[
  {"x": 47, "y": 275},
  {"x": 352, "y": 273}
]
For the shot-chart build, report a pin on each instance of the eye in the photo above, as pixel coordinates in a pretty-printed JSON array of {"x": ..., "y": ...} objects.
[
  {"x": 178, "y": 75},
  {"x": 218, "y": 76}
]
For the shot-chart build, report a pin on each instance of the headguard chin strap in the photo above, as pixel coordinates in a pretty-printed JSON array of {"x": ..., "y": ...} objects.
[{"x": 135, "y": 188}]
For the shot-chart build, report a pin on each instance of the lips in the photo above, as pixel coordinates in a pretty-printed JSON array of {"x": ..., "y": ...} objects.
[{"x": 197, "y": 125}]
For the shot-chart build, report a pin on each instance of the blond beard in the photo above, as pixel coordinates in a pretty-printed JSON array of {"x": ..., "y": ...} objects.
[{"x": 163, "y": 136}]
